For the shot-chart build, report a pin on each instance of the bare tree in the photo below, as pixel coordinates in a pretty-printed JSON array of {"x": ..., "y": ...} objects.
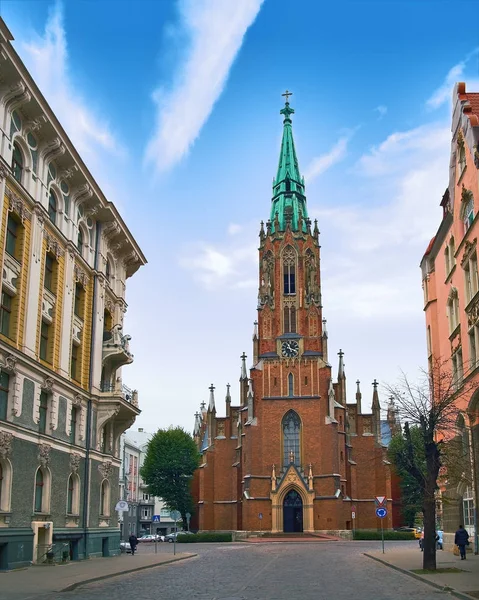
[{"x": 431, "y": 404}]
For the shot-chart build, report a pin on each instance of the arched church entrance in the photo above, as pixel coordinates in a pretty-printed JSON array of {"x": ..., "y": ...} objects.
[{"x": 292, "y": 512}]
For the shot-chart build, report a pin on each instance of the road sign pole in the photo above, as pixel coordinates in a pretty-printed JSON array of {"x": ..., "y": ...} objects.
[
  {"x": 174, "y": 541},
  {"x": 156, "y": 543},
  {"x": 382, "y": 534}
]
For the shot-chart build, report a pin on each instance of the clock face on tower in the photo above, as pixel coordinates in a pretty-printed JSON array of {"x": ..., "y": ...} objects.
[{"x": 290, "y": 349}]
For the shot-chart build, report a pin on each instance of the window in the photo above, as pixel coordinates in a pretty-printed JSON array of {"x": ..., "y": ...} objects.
[
  {"x": 467, "y": 210},
  {"x": 289, "y": 319},
  {"x": 2, "y": 492},
  {"x": 5, "y": 484},
  {"x": 79, "y": 296},
  {"x": 429, "y": 342},
  {"x": 12, "y": 235},
  {"x": 48, "y": 278},
  {"x": 43, "y": 412},
  {"x": 305, "y": 381},
  {"x": 453, "y": 310},
  {"x": 447, "y": 260},
  {"x": 80, "y": 241},
  {"x": 470, "y": 277},
  {"x": 108, "y": 270},
  {"x": 5, "y": 314},
  {"x": 73, "y": 494},
  {"x": 289, "y": 279},
  {"x": 4, "y": 385},
  {"x": 52, "y": 207},
  {"x": 457, "y": 368},
  {"x": 74, "y": 363},
  {"x": 291, "y": 426},
  {"x": 17, "y": 163},
  {"x": 45, "y": 342},
  {"x": 290, "y": 384},
  {"x": 71, "y": 489},
  {"x": 73, "y": 430},
  {"x": 105, "y": 498},
  {"x": 39, "y": 483},
  {"x": 468, "y": 508}
]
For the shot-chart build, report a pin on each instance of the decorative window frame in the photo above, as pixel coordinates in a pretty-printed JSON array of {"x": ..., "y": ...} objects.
[
  {"x": 6, "y": 483},
  {"x": 75, "y": 496},
  {"x": 47, "y": 488}
]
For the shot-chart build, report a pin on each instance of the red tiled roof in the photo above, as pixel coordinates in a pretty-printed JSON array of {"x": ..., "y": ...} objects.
[{"x": 471, "y": 105}]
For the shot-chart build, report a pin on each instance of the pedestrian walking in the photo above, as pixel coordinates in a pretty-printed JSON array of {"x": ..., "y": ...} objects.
[
  {"x": 133, "y": 543},
  {"x": 461, "y": 539}
]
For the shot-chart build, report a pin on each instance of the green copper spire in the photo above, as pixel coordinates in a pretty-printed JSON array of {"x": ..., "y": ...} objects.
[{"x": 288, "y": 187}]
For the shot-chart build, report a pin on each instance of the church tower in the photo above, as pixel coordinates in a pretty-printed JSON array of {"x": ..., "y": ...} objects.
[{"x": 283, "y": 459}]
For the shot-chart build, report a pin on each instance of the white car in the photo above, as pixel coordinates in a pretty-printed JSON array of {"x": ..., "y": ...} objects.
[{"x": 125, "y": 547}]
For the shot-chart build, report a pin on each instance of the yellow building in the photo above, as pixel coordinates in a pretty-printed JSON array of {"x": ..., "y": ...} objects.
[{"x": 66, "y": 255}]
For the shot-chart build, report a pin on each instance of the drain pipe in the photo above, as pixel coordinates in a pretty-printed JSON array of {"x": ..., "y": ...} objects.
[{"x": 86, "y": 489}]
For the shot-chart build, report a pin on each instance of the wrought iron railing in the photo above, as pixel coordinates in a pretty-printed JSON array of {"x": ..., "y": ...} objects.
[
  {"x": 58, "y": 552},
  {"x": 124, "y": 391}
]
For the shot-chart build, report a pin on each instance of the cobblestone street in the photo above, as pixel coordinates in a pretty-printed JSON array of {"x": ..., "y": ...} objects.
[{"x": 264, "y": 571}]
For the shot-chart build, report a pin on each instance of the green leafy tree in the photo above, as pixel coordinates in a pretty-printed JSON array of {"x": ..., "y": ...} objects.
[
  {"x": 411, "y": 492},
  {"x": 171, "y": 459}
]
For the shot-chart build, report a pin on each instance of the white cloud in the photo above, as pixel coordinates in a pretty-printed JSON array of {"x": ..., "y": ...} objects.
[
  {"x": 381, "y": 110},
  {"x": 444, "y": 92},
  {"x": 215, "y": 30},
  {"x": 228, "y": 266},
  {"x": 234, "y": 228},
  {"x": 46, "y": 58},
  {"x": 385, "y": 230},
  {"x": 322, "y": 163}
]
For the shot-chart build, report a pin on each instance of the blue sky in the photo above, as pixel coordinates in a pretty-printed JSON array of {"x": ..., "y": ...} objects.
[{"x": 174, "y": 106}]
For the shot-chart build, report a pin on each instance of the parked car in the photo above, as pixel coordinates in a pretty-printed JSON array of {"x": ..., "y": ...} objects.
[
  {"x": 418, "y": 533},
  {"x": 125, "y": 547},
  {"x": 172, "y": 536},
  {"x": 152, "y": 537}
]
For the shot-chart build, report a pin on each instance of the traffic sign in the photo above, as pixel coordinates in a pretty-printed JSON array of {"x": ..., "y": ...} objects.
[
  {"x": 353, "y": 515},
  {"x": 380, "y": 500},
  {"x": 156, "y": 518},
  {"x": 260, "y": 516},
  {"x": 122, "y": 506},
  {"x": 381, "y": 512},
  {"x": 175, "y": 515},
  {"x": 353, "y": 508}
]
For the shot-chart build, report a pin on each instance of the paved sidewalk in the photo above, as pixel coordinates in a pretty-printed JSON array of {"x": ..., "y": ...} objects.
[
  {"x": 38, "y": 580},
  {"x": 462, "y": 585}
]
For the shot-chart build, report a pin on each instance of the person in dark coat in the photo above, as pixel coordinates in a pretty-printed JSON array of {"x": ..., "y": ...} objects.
[
  {"x": 461, "y": 539},
  {"x": 133, "y": 543}
]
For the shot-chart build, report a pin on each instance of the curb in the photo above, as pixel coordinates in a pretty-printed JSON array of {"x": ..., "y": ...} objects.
[
  {"x": 438, "y": 586},
  {"x": 74, "y": 586}
]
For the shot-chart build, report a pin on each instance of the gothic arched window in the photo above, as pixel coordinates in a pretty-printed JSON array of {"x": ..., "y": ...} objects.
[
  {"x": 39, "y": 491},
  {"x": 291, "y": 426},
  {"x": 289, "y": 319},
  {"x": 289, "y": 272},
  {"x": 290, "y": 384}
]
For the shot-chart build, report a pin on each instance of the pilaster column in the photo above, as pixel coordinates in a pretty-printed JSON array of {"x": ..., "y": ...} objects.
[
  {"x": 97, "y": 334},
  {"x": 67, "y": 313},
  {"x": 32, "y": 308}
]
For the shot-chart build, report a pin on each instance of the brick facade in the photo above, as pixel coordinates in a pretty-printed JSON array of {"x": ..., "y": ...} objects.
[{"x": 326, "y": 456}]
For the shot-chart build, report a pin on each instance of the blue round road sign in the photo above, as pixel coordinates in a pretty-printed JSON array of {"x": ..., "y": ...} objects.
[{"x": 381, "y": 512}]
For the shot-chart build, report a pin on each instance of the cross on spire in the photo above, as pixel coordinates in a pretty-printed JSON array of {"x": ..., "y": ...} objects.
[
  {"x": 287, "y": 94},
  {"x": 375, "y": 384}
]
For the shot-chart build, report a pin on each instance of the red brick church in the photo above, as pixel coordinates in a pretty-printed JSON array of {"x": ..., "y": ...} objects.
[{"x": 293, "y": 456}]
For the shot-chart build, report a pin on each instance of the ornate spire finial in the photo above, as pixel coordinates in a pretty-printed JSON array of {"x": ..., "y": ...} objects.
[
  {"x": 341, "y": 364},
  {"x": 255, "y": 330},
  {"x": 243, "y": 366},
  {"x": 211, "y": 405},
  {"x": 375, "y": 384},
  {"x": 228, "y": 395},
  {"x": 357, "y": 383},
  {"x": 203, "y": 406}
]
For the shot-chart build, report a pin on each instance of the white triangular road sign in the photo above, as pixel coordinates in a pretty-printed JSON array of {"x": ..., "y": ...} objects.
[{"x": 380, "y": 500}]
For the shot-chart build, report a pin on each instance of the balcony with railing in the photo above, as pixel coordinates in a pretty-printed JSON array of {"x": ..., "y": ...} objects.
[
  {"x": 119, "y": 390},
  {"x": 116, "y": 349}
]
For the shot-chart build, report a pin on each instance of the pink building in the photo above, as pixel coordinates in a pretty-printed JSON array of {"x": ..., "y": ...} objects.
[{"x": 451, "y": 299}]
